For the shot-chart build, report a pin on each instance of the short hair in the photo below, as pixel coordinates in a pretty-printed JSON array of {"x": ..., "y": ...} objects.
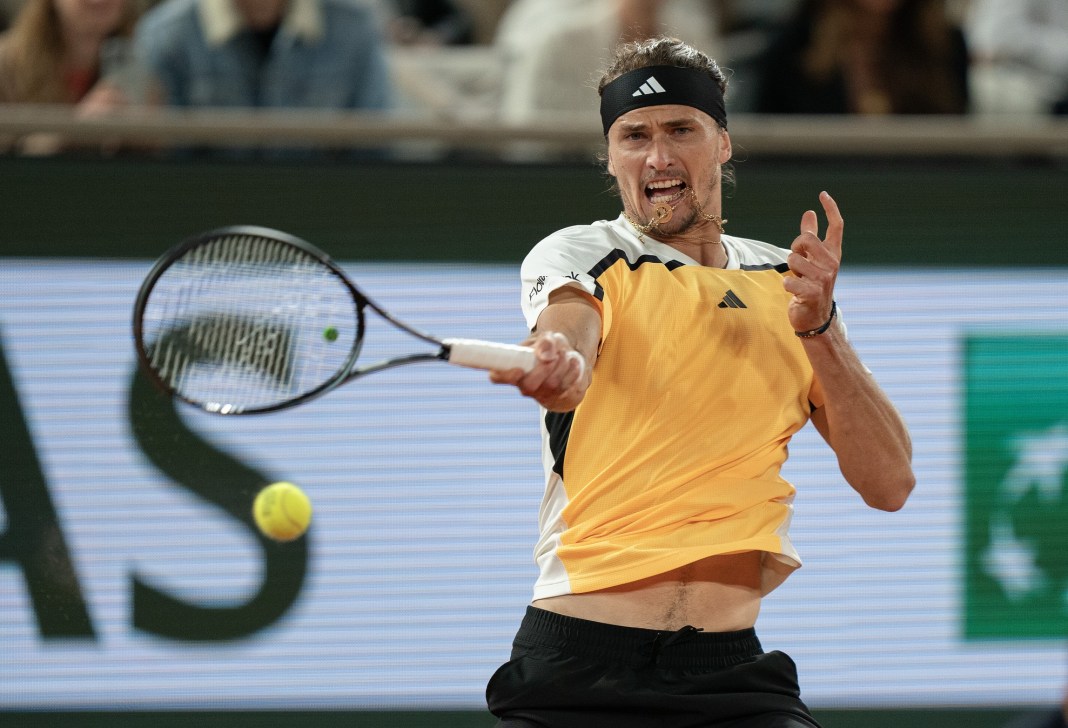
[{"x": 660, "y": 51}]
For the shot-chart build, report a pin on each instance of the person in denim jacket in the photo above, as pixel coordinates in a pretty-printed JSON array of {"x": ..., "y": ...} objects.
[{"x": 328, "y": 54}]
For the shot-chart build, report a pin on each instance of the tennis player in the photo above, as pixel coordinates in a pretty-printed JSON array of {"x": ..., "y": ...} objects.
[{"x": 675, "y": 362}]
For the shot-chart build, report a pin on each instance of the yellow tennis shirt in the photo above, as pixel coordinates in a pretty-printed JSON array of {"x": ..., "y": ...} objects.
[{"x": 674, "y": 453}]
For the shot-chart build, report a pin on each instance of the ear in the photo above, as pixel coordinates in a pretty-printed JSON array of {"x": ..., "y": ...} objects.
[
  {"x": 725, "y": 147},
  {"x": 611, "y": 167}
]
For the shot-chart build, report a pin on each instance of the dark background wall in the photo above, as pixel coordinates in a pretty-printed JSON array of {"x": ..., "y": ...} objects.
[
  {"x": 907, "y": 212},
  {"x": 898, "y": 213}
]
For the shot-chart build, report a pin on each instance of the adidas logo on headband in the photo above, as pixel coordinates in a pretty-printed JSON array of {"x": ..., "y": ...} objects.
[
  {"x": 686, "y": 86},
  {"x": 651, "y": 86}
]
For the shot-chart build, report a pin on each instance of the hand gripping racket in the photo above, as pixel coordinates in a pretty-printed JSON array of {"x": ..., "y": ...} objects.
[{"x": 242, "y": 320}]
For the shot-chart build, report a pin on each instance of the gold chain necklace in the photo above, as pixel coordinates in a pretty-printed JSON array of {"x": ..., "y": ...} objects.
[{"x": 663, "y": 212}]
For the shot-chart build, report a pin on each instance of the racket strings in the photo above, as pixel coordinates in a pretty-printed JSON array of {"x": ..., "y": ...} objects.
[{"x": 238, "y": 323}]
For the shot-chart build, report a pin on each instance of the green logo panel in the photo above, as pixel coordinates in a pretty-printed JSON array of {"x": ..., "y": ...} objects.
[{"x": 1016, "y": 509}]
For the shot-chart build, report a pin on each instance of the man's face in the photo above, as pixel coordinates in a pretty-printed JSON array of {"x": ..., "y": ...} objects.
[{"x": 657, "y": 153}]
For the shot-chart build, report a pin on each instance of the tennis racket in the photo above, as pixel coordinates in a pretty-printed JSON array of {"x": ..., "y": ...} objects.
[{"x": 242, "y": 320}]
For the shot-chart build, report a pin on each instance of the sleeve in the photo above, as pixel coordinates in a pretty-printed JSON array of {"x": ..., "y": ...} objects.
[{"x": 559, "y": 260}]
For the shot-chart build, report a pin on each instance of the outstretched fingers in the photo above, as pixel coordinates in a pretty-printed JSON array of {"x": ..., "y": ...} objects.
[
  {"x": 810, "y": 224},
  {"x": 807, "y": 247},
  {"x": 814, "y": 260},
  {"x": 835, "y": 224}
]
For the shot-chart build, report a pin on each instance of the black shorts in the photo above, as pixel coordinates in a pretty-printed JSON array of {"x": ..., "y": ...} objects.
[{"x": 573, "y": 673}]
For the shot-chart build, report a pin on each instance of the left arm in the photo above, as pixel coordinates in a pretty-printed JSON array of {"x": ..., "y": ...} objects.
[
  {"x": 860, "y": 424},
  {"x": 857, "y": 420}
]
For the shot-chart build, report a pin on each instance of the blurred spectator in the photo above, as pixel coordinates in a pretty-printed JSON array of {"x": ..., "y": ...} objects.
[
  {"x": 1019, "y": 55},
  {"x": 554, "y": 50},
  {"x": 70, "y": 52},
  {"x": 748, "y": 28},
  {"x": 430, "y": 22},
  {"x": 866, "y": 57},
  {"x": 53, "y": 53},
  {"x": 267, "y": 53}
]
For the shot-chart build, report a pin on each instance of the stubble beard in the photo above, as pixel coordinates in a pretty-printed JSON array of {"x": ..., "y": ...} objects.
[{"x": 679, "y": 224}]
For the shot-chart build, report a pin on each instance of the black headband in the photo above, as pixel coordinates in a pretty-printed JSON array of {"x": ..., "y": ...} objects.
[{"x": 658, "y": 85}]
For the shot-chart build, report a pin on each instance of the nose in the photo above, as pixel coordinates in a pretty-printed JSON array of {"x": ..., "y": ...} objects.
[{"x": 659, "y": 155}]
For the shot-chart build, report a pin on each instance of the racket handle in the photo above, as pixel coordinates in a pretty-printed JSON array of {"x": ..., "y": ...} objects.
[{"x": 488, "y": 355}]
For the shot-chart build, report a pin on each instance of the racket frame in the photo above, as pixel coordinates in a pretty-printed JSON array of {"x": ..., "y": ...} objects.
[
  {"x": 345, "y": 373},
  {"x": 469, "y": 352}
]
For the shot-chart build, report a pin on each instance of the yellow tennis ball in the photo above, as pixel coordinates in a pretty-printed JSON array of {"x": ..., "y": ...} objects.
[{"x": 282, "y": 512}]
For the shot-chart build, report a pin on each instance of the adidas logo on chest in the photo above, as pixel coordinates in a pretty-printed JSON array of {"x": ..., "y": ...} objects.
[{"x": 731, "y": 300}]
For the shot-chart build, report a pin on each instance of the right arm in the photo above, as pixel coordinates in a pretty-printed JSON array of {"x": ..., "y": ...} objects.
[{"x": 565, "y": 345}]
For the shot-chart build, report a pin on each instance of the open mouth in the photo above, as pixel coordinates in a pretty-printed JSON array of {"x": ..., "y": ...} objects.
[{"x": 665, "y": 190}]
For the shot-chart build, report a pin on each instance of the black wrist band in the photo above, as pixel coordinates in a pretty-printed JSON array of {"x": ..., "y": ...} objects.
[{"x": 816, "y": 332}]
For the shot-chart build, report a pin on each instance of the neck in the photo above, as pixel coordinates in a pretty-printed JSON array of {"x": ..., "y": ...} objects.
[
  {"x": 709, "y": 253},
  {"x": 702, "y": 241},
  {"x": 700, "y": 236}
]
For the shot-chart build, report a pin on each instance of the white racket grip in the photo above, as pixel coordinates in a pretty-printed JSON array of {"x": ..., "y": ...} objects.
[{"x": 489, "y": 355}]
